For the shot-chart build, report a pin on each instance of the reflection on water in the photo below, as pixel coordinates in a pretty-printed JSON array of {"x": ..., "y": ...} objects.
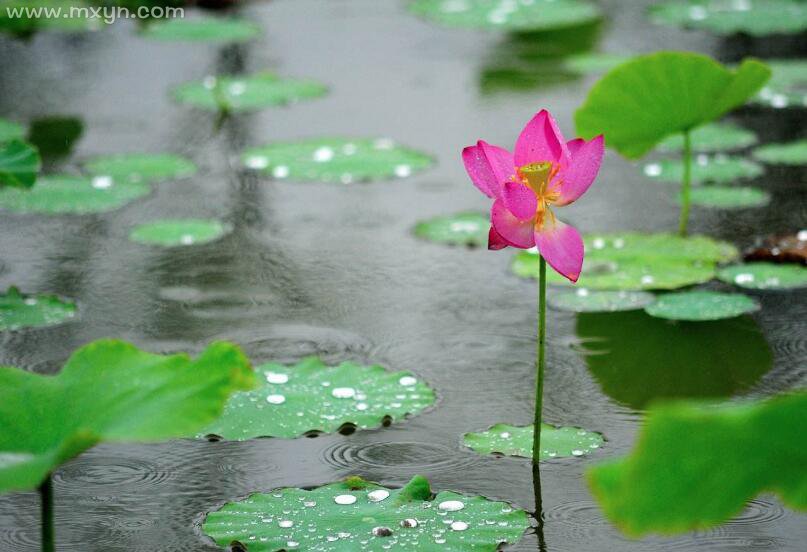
[{"x": 55, "y": 136}]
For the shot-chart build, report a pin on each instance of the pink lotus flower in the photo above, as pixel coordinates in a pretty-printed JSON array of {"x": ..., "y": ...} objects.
[{"x": 544, "y": 172}]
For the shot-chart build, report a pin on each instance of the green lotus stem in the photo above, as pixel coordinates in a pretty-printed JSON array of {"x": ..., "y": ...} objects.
[
  {"x": 539, "y": 507},
  {"x": 685, "y": 185},
  {"x": 46, "y": 499},
  {"x": 540, "y": 361}
]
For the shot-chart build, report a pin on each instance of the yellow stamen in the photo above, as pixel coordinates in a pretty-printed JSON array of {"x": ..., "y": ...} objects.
[{"x": 538, "y": 177}]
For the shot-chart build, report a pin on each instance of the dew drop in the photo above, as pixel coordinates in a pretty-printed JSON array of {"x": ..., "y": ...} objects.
[
  {"x": 275, "y": 399},
  {"x": 343, "y": 392},
  {"x": 451, "y": 506},
  {"x": 409, "y": 522},
  {"x": 382, "y": 531},
  {"x": 237, "y": 88},
  {"x": 402, "y": 171},
  {"x": 459, "y": 526},
  {"x": 281, "y": 171},
  {"x": 361, "y": 406},
  {"x": 345, "y": 499},
  {"x": 653, "y": 169},
  {"x": 276, "y": 378},
  {"x": 186, "y": 239},
  {"x": 377, "y": 495},
  {"x": 323, "y": 154},
  {"x": 257, "y": 162},
  {"x": 285, "y": 523},
  {"x": 577, "y": 452},
  {"x": 102, "y": 182},
  {"x": 407, "y": 381}
]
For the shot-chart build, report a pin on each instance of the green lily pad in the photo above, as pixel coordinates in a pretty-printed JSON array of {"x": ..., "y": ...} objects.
[
  {"x": 179, "y": 232},
  {"x": 584, "y": 300},
  {"x": 141, "y": 167},
  {"x": 729, "y": 197},
  {"x": 712, "y": 137},
  {"x": 109, "y": 391},
  {"x": 794, "y": 153},
  {"x": 686, "y": 452},
  {"x": 590, "y": 63},
  {"x": 674, "y": 92},
  {"x": 718, "y": 168},
  {"x": 753, "y": 17},
  {"x": 311, "y": 396},
  {"x": 556, "y": 442},
  {"x": 10, "y": 131},
  {"x": 19, "y": 164},
  {"x": 246, "y": 93},
  {"x": 788, "y": 84},
  {"x": 469, "y": 229},
  {"x": 764, "y": 275},
  {"x": 697, "y": 306},
  {"x": 80, "y": 19},
  {"x": 76, "y": 195},
  {"x": 358, "y": 515},
  {"x": 336, "y": 160},
  {"x": 539, "y": 15},
  {"x": 32, "y": 311},
  {"x": 202, "y": 29}
]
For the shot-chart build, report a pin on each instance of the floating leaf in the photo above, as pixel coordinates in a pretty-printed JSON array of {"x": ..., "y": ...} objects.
[
  {"x": 765, "y": 275},
  {"x": 556, "y": 442},
  {"x": 141, "y": 167},
  {"x": 179, "y": 232},
  {"x": 674, "y": 92},
  {"x": 754, "y": 17},
  {"x": 202, "y": 29},
  {"x": 55, "y": 136},
  {"x": 729, "y": 197},
  {"x": 712, "y": 137},
  {"x": 584, "y": 300},
  {"x": 311, "y": 396},
  {"x": 246, "y": 93},
  {"x": 10, "y": 131},
  {"x": 687, "y": 452},
  {"x": 719, "y": 168},
  {"x": 794, "y": 153},
  {"x": 72, "y": 194},
  {"x": 358, "y": 515},
  {"x": 336, "y": 160},
  {"x": 593, "y": 62},
  {"x": 539, "y": 15},
  {"x": 31, "y": 311},
  {"x": 109, "y": 391},
  {"x": 699, "y": 305},
  {"x": 787, "y": 85},
  {"x": 19, "y": 164},
  {"x": 73, "y": 16},
  {"x": 469, "y": 229}
]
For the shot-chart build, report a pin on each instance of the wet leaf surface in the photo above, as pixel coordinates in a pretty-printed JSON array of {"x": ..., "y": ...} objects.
[
  {"x": 763, "y": 275},
  {"x": 469, "y": 229},
  {"x": 794, "y": 153},
  {"x": 728, "y": 197},
  {"x": 78, "y": 195},
  {"x": 584, "y": 300},
  {"x": 202, "y": 29},
  {"x": 697, "y": 306},
  {"x": 718, "y": 169},
  {"x": 556, "y": 442},
  {"x": 754, "y": 17},
  {"x": 179, "y": 232},
  {"x": 31, "y": 311},
  {"x": 141, "y": 167}
]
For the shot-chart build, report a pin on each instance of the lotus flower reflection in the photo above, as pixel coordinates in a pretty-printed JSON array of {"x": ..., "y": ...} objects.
[{"x": 544, "y": 172}]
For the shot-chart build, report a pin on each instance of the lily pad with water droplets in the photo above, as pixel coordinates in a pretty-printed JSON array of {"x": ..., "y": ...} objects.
[
  {"x": 10, "y": 131},
  {"x": 246, "y": 93},
  {"x": 19, "y": 164},
  {"x": 179, "y": 232},
  {"x": 788, "y": 84},
  {"x": 469, "y": 229},
  {"x": 65, "y": 194},
  {"x": 30, "y": 311},
  {"x": 584, "y": 300},
  {"x": 705, "y": 168},
  {"x": 794, "y": 153},
  {"x": 141, "y": 167},
  {"x": 701, "y": 305},
  {"x": 728, "y": 197},
  {"x": 754, "y": 17},
  {"x": 356, "y": 515},
  {"x": 765, "y": 275},
  {"x": 311, "y": 396},
  {"x": 556, "y": 442},
  {"x": 712, "y": 137},
  {"x": 202, "y": 29},
  {"x": 336, "y": 160}
]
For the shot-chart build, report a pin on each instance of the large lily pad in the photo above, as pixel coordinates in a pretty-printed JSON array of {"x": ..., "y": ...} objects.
[
  {"x": 712, "y": 137},
  {"x": 246, "y": 93},
  {"x": 718, "y": 168},
  {"x": 202, "y": 29},
  {"x": 556, "y": 442},
  {"x": 19, "y": 164},
  {"x": 109, "y": 391},
  {"x": 179, "y": 232},
  {"x": 699, "y": 306},
  {"x": 765, "y": 275},
  {"x": 505, "y": 15},
  {"x": 29, "y": 311},
  {"x": 584, "y": 300},
  {"x": 469, "y": 229},
  {"x": 794, "y": 153},
  {"x": 358, "y": 515},
  {"x": 72, "y": 194},
  {"x": 754, "y": 17},
  {"x": 336, "y": 160},
  {"x": 311, "y": 396},
  {"x": 10, "y": 131},
  {"x": 788, "y": 84},
  {"x": 728, "y": 197},
  {"x": 674, "y": 92},
  {"x": 687, "y": 452},
  {"x": 141, "y": 167}
]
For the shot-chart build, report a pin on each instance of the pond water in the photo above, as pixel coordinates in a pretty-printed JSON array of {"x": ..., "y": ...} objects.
[{"x": 334, "y": 270}]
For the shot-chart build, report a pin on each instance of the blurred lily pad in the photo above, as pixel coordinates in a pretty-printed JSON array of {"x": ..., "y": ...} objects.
[
  {"x": 202, "y": 29},
  {"x": 556, "y": 442},
  {"x": 729, "y": 197},
  {"x": 788, "y": 84},
  {"x": 589, "y": 63},
  {"x": 55, "y": 136},
  {"x": 10, "y": 131},
  {"x": 469, "y": 229},
  {"x": 712, "y": 137},
  {"x": 19, "y": 164},
  {"x": 701, "y": 305},
  {"x": 764, "y": 275},
  {"x": 141, "y": 167},
  {"x": 794, "y": 153},
  {"x": 754, "y": 17},
  {"x": 29, "y": 311},
  {"x": 584, "y": 300},
  {"x": 179, "y": 232},
  {"x": 718, "y": 168},
  {"x": 75, "y": 16}
]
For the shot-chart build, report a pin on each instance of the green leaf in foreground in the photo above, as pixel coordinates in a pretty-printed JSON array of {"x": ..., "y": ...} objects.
[
  {"x": 556, "y": 442},
  {"x": 358, "y": 515},
  {"x": 65, "y": 194},
  {"x": 794, "y": 153},
  {"x": 754, "y": 17},
  {"x": 718, "y": 168},
  {"x": 712, "y": 137},
  {"x": 336, "y": 160},
  {"x": 179, "y": 232},
  {"x": 698, "y": 306},
  {"x": 202, "y": 29},
  {"x": 584, "y": 300},
  {"x": 141, "y": 167},
  {"x": 109, "y": 391},
  {"x": 469, "y": 229},
  {"x": 695, "y": 466},
  {"x": 787, "y": 85},
  {"x": 19, "y": 164},
  {"x": 10, "y": 131},
  {"x": 29, "y": 311},
  {"x": 674, "y": 92},
  {"x": 765, "y": 275},
  {"x": 311, "y": 396},
  {"x": 728, "y": 197}
]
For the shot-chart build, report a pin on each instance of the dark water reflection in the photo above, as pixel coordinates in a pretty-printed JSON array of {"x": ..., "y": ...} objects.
[{"x": 334, "y": 270}]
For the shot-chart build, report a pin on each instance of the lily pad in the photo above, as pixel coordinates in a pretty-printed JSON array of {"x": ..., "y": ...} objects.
[
  {"x": 729, "y": 197},
  {"x": 246, "y": 93},
  {"x": 765, "y": 275},
  {"x": 10, "y": 131},
  {"x": 141, "y": 167},
  {"x": 358, "y": 515},
  {"x": 700, "y": 305},
  {"x": 788, "y": 84},
  {"x": 72, "y": 195},
  {"x": 179, "y": 232},
  {"x": 336, "y": 160},
  {"x": 469, "y": 229},
  {"x": 202, "y": 29},
  {"x": 584, "y": 300},
  {"x": 109, "y": 391},
  {"x": 75, "y": 17},
  {"x": 31, "y": 311},
  {"x": 753, "y": 17},
  {"x": 504, "y": 15},
  {"x": 19, "y": 164},
  {"x": 718, "y": 168},
  {"x": 311, "y": 396},
  {"x": 794, "y": 153},
  {"x": 556, "y": 442},
  {"x": 590, "y": 63},
  {"x": 712, "y": 137},
  {"x": 674, "y": 92}
]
